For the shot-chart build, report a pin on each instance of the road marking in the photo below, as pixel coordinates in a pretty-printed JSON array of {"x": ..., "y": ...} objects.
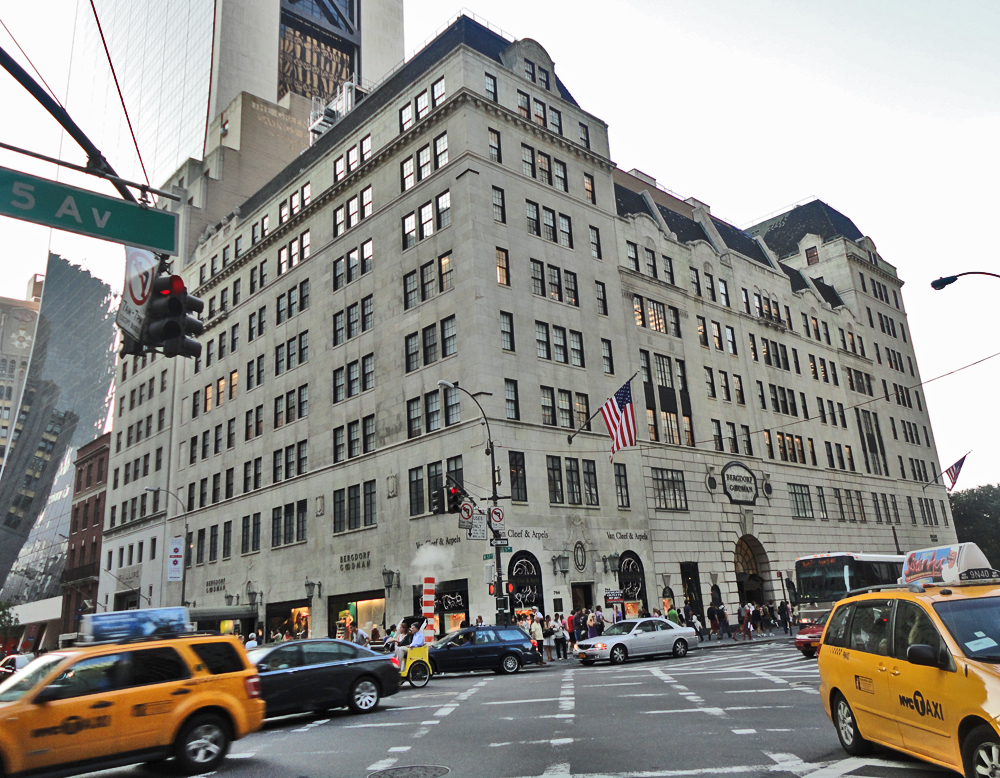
[
  {"x": 518, "y": 702},
  {"x": 735, "y": 732},
  {"x": 560, "y": 741},
  {"x": 399, "y": 749},
  {"x": 243, "y": 756},
  {"x": 553, "y": 716},
  {"x": 449, "y": 708},
  {"x": 383, "y": 764},
  {"x": 431, "y": 721},
  {"x": 383, "y": 724},
  {"x": 717, "y": 711},
  {"x": 630, "y": 683}
]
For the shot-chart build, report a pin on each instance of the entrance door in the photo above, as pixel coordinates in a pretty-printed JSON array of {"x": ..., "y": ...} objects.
[
  {"x": 583, "y": 596},
  {"x": 692, "y": 588}
]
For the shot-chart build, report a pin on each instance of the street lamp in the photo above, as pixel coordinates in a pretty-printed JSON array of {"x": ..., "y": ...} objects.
[
  {"x": 611, "y": 563},
  {"x": 560, "y": 563},
  {"x": 311, "y": 588},
  {"x": 944, "y": 281},
  {"x": 389, "y": 579},
  {"x": 186, "y": 549},
  {"x": 494, "y": 497}
]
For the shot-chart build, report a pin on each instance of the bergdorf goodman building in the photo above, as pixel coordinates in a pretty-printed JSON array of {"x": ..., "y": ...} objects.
[{"x": 465, "y": 223}]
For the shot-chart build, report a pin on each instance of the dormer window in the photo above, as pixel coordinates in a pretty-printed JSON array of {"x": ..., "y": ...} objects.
[
  {"x": 529, "y": 70},
  {"x": 812, "y": 256},
  {"x": 543, "y": 77}
]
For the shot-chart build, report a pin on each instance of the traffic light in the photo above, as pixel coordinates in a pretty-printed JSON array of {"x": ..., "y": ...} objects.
[
  {"x": 493, "y": 589},
  {"x": 510, "y": 587},
  {"x": 167, "y": 322},
  {"x": 454, "y": 499},
  {"x": 437, "y": 500}
]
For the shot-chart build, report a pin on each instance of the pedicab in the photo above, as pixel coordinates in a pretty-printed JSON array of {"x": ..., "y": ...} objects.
[{"x": 416, "y": 667}]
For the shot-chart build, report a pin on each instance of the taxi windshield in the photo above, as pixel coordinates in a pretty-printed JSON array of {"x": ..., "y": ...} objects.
[
  {"x": 19, "y": 684},
  {"x": 975, "y": 625}
]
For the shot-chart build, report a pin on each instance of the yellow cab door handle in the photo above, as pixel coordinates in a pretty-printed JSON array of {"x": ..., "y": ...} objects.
[
  {"x": 881, "y": 668},
  {"x": 895, "y": 672}
]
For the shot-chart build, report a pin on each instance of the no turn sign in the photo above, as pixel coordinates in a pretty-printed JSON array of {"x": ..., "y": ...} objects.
[
  {"x": 465, "y": 511},
  {"x": 496, "y": 518}
]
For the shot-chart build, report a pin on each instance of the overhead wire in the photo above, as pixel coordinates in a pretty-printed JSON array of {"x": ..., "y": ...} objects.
[
  {"x": 41, "y": 78},
  {"x": 120, "y": 96}
]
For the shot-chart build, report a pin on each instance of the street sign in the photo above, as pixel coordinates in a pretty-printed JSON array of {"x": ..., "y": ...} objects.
[
  {"x": 140, "y": 271},
  {"x": 506, "y": 550},
  {"x": 478, "y": 529},
  {"x": 502, "y": 542},
  {"x": 63, "y": 207},
  {"x": 465, "y": 511},
  {"x": 612, "y": 595},
  {"x": 487, "y": 557},
  {"x": 496, "y": 519},
  {"x": 175, "y": 559}
]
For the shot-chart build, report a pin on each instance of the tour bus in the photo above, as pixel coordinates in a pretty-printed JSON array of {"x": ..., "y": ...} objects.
[{"x": 822, "y": 579}]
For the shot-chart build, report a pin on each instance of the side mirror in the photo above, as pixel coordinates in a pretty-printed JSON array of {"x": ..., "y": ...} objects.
[
  {"x": 923, "y": 655},
  {"x": 263, "y": 667},
  {"x": 53, "y": 691}
]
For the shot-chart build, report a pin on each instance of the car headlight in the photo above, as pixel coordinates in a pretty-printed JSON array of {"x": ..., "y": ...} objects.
[{"x": 600, "y": 646}]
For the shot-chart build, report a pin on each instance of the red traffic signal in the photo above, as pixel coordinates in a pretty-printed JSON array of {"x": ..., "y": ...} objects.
[
  {"x": 510, "y": 587},
  {"x": 493, "y": 589}
]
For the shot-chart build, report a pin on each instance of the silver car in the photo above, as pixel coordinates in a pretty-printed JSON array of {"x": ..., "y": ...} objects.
[{"x": 637, "y": 637}]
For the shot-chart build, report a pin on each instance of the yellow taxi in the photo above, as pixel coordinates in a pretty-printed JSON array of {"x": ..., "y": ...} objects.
[
  {"x": 143, "y": 696},
  {"x": 916, "y": 666}
]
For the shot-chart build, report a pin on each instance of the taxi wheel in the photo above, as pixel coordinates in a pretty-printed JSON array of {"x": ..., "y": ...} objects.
[
  {"x": 809, "y": 653},
  {"x": 510, "y": 664},
  {"x": 202, "y": 744},
  {"x": 981, "y": 752},
  {"x": 364, "y": 696},
  {"x": 847, "y": 728},
  {"x": 618, "y": 654},
  {"x": 419, "y": 674}
]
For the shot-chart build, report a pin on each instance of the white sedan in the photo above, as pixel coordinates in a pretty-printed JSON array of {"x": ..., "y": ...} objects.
[{"x": 637, "y": 637}]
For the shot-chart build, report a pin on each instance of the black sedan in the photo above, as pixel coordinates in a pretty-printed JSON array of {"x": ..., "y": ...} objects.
[
  {"x": 316, "y": 675},
  {"x": 500, "y": 649}
]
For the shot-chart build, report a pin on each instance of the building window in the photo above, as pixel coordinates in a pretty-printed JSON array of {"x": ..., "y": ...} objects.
[
  {"x": 499, "y": 206},
  {"x": 507, "y": 331},
  {"x": 588, "y": 188},
  {"x": 554, "y": 470},
  {"x": 496, "y": 152},
  {"x": 668, "y": 489},
  {"x": 801, "y": 501},
  {"x": 512, "y": 403},
  {"x": 518, "y": 477}
]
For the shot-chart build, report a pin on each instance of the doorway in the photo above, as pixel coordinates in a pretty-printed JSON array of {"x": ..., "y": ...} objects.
[{"x": 583, "y": 596}]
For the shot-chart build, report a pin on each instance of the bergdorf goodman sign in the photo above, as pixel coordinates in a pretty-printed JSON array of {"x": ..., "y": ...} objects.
[{"x": 739, "y": 484}]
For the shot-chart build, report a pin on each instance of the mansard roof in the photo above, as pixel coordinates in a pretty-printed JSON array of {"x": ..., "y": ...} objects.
[{"x": 783, "y": 233}]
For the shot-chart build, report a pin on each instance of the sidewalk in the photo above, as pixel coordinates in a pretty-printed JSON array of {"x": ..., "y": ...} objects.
[{"x": 779, "y": 637}]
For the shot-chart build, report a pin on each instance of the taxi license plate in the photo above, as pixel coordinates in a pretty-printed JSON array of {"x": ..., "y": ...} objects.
[{"x": 583, "y": 656}]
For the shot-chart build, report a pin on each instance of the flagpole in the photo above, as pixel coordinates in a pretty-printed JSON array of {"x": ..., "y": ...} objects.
[
  {"x": 941, "y": 474},
  {"x": 569, "y": 438}
]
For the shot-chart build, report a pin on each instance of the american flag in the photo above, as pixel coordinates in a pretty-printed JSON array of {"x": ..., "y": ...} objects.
[
  {"x": 619, "y": 416},
  {"x": 953, "y": 471}
]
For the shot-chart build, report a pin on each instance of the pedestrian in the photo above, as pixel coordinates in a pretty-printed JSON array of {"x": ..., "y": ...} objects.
[
  {"x": 358, "y": 636},
  {"x": 548, "y": 635},
  {"x": 582, "y": 627},
  {"x": 756, "y": 618},
  {"x": 252, "y": 642},
  {"x": 688, "y": 612},
  {"x": 479, "y": 621},
  {"x": 772, "y": 617},
  {"x": 599, "y": 620},
  {"x": 783, "y": 615},
  {"x": 723, "y": 617},
  {"x": 673, "y": 615},
  {"x": 559, "y": 637},
  {"x": 697, "y": 626},
  {"x": 713, "y": 622},
  {"x": 538, "y": 637}
]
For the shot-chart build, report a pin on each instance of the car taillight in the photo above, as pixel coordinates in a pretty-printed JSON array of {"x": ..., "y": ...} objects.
[
  {"x": 394, "y": 661},
  {"x": 534, "y": 644},
  {"x": 253, "y": 686}
]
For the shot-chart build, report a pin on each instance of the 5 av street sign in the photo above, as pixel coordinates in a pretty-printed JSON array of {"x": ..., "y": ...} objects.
[{"x": 63, "y": 207}]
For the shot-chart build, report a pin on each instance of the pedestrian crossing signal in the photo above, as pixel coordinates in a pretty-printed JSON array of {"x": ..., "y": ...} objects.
[
  {"x": 493, "y": 589},
  {"x": 510, "y": 587}
]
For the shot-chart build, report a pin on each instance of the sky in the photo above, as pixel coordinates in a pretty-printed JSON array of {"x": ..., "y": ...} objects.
[{"x": 889, "y": 112}]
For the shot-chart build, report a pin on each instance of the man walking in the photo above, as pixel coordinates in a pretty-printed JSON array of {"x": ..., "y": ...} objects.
[{"x": 723, "y": 617}]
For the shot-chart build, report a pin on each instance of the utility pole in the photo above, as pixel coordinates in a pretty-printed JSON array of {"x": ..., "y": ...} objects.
[
  {"x": 186, "y": 549},
  {"x": 502, "y": 612}
]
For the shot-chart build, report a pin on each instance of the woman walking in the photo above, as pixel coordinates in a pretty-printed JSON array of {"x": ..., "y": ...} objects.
[{"x": 548, "y": 636}]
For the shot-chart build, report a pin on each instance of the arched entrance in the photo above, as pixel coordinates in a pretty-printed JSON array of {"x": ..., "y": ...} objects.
[
  {"x": 632, "y": 582},
  {"x": 525, "y": 573},
  {"x": 752, "y": 570}
]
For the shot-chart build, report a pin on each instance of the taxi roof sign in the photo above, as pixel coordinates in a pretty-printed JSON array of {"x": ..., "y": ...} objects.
[
  {"x": 957, "y": 563},
  {"x": 119, "y": 626}
]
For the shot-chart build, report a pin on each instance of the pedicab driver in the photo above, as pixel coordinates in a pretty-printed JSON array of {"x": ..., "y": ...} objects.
[{"x": 416, "y": 639}]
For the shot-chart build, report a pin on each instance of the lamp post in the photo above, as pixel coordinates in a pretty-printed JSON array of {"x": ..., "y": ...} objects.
[
  {"x": 186, "y": 549},
  {"x": 494, "y": 497},
  {"x": 944, "y": 281}
]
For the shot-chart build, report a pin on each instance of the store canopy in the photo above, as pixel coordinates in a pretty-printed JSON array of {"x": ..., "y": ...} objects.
[{"x": 223, "y": 612}]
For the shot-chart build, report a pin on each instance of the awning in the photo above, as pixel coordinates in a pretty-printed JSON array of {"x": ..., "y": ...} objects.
[{"x": 223, "y": 612}]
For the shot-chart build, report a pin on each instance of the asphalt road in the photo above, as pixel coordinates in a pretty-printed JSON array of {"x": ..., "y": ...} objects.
[{"x": 746, "y": 711}]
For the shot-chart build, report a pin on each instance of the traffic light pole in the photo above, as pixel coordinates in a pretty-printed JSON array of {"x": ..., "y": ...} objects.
[{"x": 501, "y": 613}]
